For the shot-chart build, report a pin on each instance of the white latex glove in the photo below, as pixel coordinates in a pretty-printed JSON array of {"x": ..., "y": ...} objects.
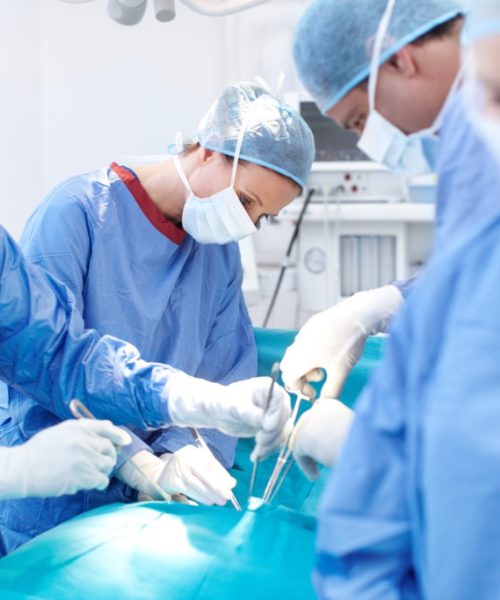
[
  {"x": 334, "y": 340},
  {"x": 238, "y": 409},
  {"x": 64, "y": 459},
  {"x": 320, "y": 434},
  {"x": 191, "y": 471}
]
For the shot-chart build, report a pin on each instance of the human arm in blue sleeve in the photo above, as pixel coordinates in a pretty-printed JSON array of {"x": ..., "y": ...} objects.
[
  {"x": 230, "y": 355},
  {"x": 461, "y": 454},
  {"x": 364, "y": 549},
  {"x": 46, "y": 352},
  {"x": 64, "y": 252}
]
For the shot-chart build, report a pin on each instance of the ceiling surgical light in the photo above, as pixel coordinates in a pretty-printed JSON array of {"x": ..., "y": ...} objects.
[
  {"x": 164, "y": 10},
  {"x": 220, "y": 8},
  {"x": 130, "y": 12},
  {"x": 126, "y": 12}
]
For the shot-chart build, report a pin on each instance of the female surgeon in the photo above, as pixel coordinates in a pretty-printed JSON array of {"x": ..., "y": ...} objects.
[
  {"x": 148, "y": 254},
  {"x": 46, "y": 352}
]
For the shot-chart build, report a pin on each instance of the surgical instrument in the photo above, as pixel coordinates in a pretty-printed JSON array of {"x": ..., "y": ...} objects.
[
  {"x": 80, "y": 411},
  {"x": 274, "y": 375},
  {"x": 201, "y": 442},
  {"x": 285, "y": 450}
]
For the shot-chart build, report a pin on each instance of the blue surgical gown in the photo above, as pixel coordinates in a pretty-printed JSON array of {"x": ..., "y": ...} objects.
[
  {"x": 412, "y": 509},
  {"x": 136, "y": 276},
  {"x": 46, "y": 352}
]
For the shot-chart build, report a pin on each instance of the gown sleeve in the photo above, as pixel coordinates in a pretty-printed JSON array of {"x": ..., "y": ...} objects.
[
  {"x": 46, "y": 353},
  {"x": 64, "y": 252}
]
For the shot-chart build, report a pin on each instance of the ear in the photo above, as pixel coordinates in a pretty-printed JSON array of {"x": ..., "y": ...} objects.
[
  {"x": 205, "y": 155},
  {"x": 404, "y": 62}
]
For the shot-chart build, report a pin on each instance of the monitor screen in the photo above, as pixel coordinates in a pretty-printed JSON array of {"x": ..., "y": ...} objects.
[{"x": 333, "y": 144}]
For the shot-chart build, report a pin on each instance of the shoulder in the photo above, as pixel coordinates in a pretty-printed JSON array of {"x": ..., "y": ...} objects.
[
  {"x": 81, "y": 190},
  {"x": 71, "y": 204},
  {"x": 66, "y": 215}
]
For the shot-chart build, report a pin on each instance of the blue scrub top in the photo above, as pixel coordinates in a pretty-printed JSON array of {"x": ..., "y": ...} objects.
[
  {"x": 412, "y": 509},
  {"x": 136, "y": 276}
]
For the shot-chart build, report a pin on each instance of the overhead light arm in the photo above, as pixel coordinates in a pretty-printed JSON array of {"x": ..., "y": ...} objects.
[
  {"x": 130, "y": 12},
  {"x": 220, "y": 8}
]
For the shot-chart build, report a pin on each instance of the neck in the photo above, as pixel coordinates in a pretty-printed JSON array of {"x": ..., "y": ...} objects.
[{"x": 164, "y": 187}]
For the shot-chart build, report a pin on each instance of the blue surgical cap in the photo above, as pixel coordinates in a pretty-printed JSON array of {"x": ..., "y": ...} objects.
[
  {"x": 277, "y": 137},
  {"x": 484, "y": 18},
  {"x": 334, "y": 40}
]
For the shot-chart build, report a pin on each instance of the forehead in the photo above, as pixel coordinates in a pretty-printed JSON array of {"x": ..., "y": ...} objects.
[{"x": 266, "y": 183}]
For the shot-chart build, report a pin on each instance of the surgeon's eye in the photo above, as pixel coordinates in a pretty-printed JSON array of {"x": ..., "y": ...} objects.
[
  {"x": 244, "y": 200},
  {"x": 358, "y": 125}
]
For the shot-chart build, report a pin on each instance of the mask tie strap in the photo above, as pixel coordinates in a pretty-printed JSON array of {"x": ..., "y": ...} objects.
[
  {"x": 377, "y": 51},
  {"x": 177, "y": 162},
  {"x": 239, "y": 143}
]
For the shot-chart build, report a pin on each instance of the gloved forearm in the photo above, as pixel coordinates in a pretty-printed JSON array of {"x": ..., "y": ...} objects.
[
  {"x": 374, "y": 310},
  {"x": 46, "y": 352},
  {"x": 334, "y": 339},
  {"x": 241, "y": 409}
]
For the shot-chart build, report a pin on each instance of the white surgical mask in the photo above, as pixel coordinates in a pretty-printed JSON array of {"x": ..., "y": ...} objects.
[
  {"x": 221, "y": 218},
  {"x": 383, "y": 142}
]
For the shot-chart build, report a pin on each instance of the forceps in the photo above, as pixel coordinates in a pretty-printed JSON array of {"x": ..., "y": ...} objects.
[
  {"x": 274, "y": 483},
  {"x": 274, "y": 375}
]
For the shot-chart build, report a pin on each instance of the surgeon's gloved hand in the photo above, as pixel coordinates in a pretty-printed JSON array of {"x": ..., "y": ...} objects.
[
  {"x": 320, "y": 434},
  {"x": 191, "y": 471},
  {"x": 240, "y": 409},
  {"x": 334, "y": 340},
  {"x": 64, "y": 459}
]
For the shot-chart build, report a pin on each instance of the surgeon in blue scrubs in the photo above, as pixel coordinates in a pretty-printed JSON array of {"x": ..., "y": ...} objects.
[
  {"x": 411, "y": 510},
  {"x": 397, "y": 111},
  {"x": 46, "y": 352},
  {"x": 149, "y": 254},
  {"x": 394, "y": 99}
]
